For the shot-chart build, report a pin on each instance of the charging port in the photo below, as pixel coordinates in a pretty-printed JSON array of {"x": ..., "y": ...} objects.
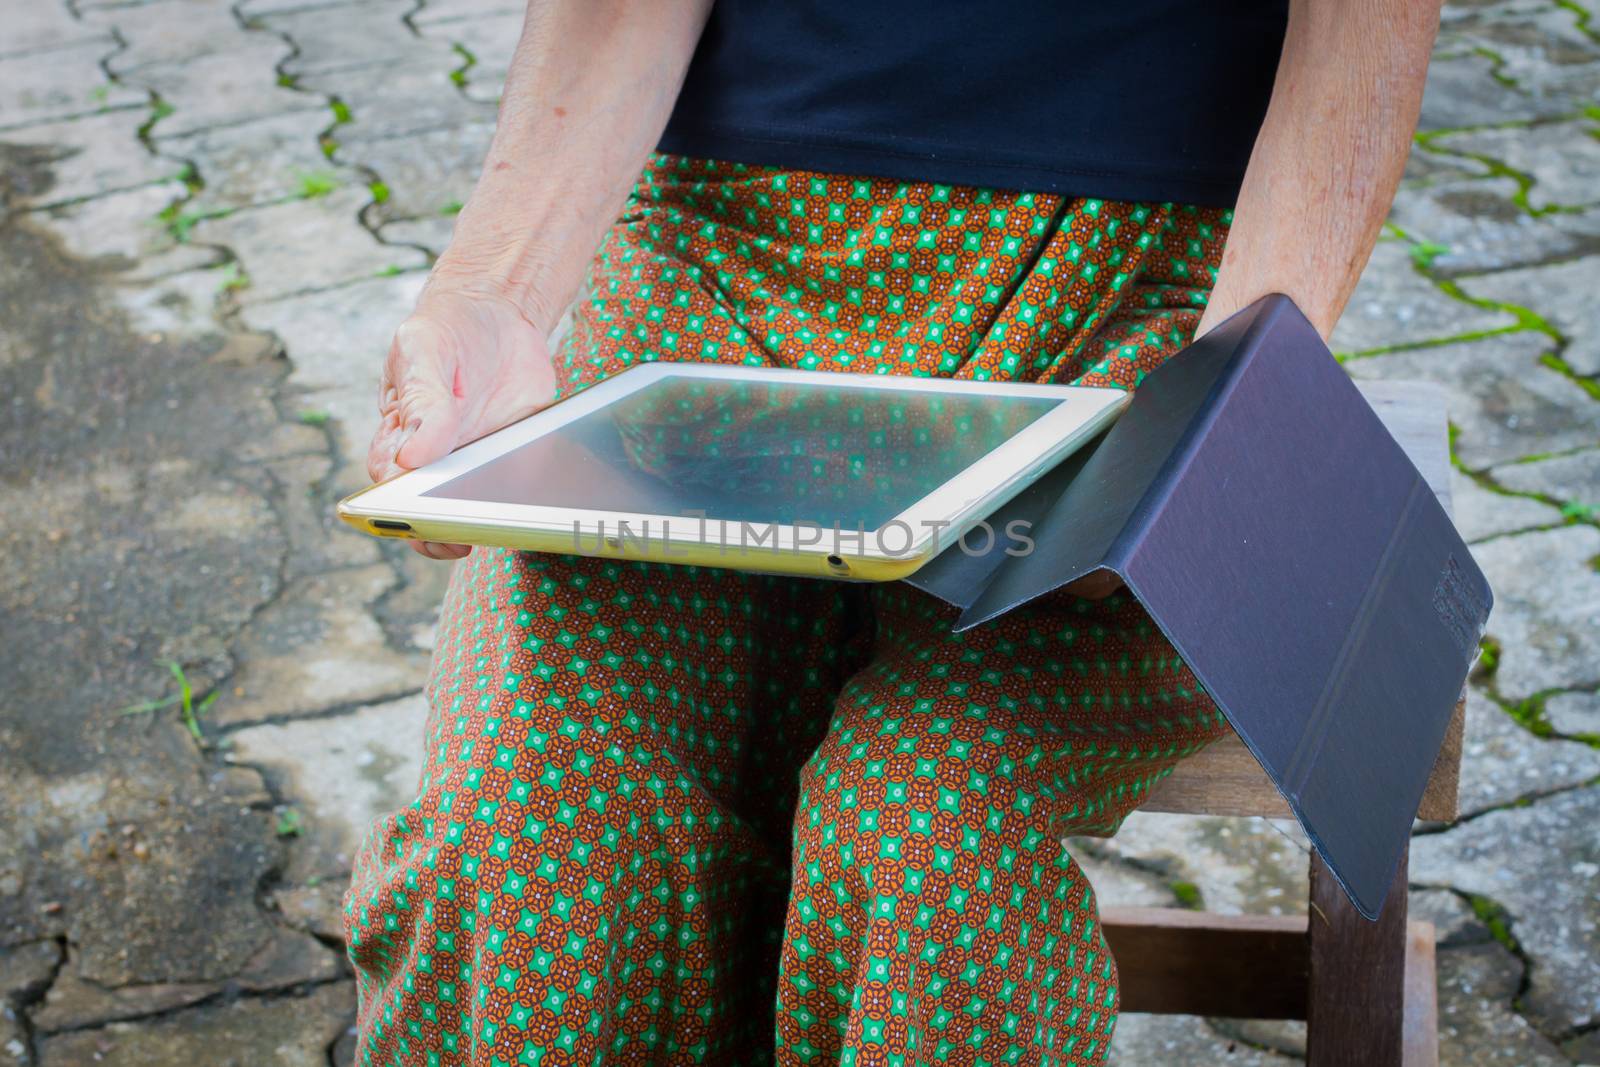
[{"x": 391, "y": 524}]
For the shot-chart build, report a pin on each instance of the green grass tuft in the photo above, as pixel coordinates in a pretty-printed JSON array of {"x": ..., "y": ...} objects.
[
  {"x": 189, "y": 709},
  {"x": 313, "y": 417},
  {"x": 1495, "y": 918},
  {"x": 290, "y": 824},
  {"x": 234, "y": 278},
  {"x": 1488, "y": 658},
  {"x": 468, "y": 61},
  {"x": 1529, "y": 713},
  {"x": 380, "y": 192},
  {"x": 452, "y": 207},
  {"x": 314, "y": 183},
  {"x": 190, "y": 178},
  {"x": 1561, "y": 366},
  {"x": 341, "y": 112},
  {"x": 1188, "y": 894},
  {"x": 1426, "y": 252},
  {"x": 179, "y": 222},
  {"x": 159, "y": 109}
]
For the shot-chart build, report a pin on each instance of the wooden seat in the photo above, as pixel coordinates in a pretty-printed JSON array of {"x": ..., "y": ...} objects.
[{"x": 1366, "y": 989}]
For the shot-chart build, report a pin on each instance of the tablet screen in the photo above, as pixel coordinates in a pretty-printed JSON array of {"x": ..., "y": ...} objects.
[{"x": 755, "y": 452}]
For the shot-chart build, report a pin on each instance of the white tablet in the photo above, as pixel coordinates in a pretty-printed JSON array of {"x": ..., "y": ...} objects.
[{"x": 862, "y": 476}]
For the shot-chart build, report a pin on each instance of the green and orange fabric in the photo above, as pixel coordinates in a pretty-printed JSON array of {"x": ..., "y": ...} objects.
[{"x": 675, "y": 815}]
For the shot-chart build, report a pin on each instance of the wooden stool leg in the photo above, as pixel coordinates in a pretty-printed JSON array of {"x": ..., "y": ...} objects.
[{"x": 1356, "y": 1003}]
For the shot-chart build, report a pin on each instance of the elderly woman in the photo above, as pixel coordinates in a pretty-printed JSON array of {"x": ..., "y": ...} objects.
[{"x": 673, "y": 815}]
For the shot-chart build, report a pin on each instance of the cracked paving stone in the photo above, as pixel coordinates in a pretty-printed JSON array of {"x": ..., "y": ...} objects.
[
  {"x": 173, "y": 303},
  {"x": 1462, "y": 91},
  {"x": 437, "y": 11},
  {"x": 248, "y": 1032},
  {"x": 60, "y": 84},
  {"x": 318, "y": 541},
  {"x": 337, "y": 339},
  {"x": 329, "y": 40},
  {"x": 254, "y": 9},
  {"x": 342, "y": 773},
  {"x": 432, "y": 232},
  {"x": 1454, "y": 921},
  {"x": 121, "y": 227},
  {"x": 317, "y": 647},
  {"x": 1584, "y": 1049},
  {"x": 1475, "y": 226},
  {"x": 1182, "y": 1041},
  {"x": 172, "y": 34},
  {"x": 44, "y": 27},
  {"x": 1574, "y": 713},
  {"x": 86, "y": 157},
  {"x": 386, "y": 103},
  {"x": 273, "y": 245},
  {"x": 1424, "y": 167},
  {"x": 172, "y": 901},
  {"x": 13, "y": 1039},
  {"x": 1543, "y": 49},
  {"x": 223, "y": 90},
  {"x": 1286, "y": 1036},
  {"x": 317, "y": 906},
  {"x": 1533, "y": 861},
  {"x": 1477, "y": 1024},
  {"x": 427, "y": 173},
  {"x": 1118, "y": 884},
  {"x": 1395, "y": 305},
  {"x": 27, "y": 968},
  {"x": 1502, "y": 762},
  {"x": 107, "y": 398},
  {"x": 1547, "y": 609},
  {"x": 1481, "y": 513},
  {"x": 410, "y": 615},
  {"x": 165, "y": 263},
  {"x": 1503, "y": 402},
  {"x": 258, "y": 162},
  {"x": 1563, "y": 294},
  {"x": 1562, "y": 158},
  {"x": 73, "y": 1003},
  {"x": 288, "y": 958},
  {"x": 1573, "y": 478},
  {"x": 156, "y": 863},
  {"x": 1238, "y": 866},
  {"x": 490, "y": 40}
]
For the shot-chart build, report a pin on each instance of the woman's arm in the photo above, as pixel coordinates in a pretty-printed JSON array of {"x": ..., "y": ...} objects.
[
  {"x": 589, "y": 91},
  {"x": 1325, "y": 165},
  {"x": 1329, "y": 155},
  {"x": 587, "y": 96}
]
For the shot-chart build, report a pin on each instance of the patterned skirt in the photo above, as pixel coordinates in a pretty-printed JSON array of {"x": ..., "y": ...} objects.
[{"x": 673, "y": 815}]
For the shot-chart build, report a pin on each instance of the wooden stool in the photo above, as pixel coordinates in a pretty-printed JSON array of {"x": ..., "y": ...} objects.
[{"x": 1366, "y": 989}]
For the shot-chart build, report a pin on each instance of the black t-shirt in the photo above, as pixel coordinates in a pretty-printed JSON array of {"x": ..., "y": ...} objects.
[{"x": 1120, "y": 99}]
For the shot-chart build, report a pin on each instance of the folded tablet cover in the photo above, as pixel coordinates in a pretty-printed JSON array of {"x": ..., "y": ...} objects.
[{"x": 1289, "y": 549}]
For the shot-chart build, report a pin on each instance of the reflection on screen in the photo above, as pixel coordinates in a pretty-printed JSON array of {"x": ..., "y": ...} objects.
[{"x": 755, "y": 452}]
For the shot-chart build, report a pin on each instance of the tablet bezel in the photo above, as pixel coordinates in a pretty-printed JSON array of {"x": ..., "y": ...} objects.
[{"x": 983, "y": 485}]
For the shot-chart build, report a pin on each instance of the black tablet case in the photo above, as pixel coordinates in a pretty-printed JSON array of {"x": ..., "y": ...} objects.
[{"x": 1285, "y": 544}]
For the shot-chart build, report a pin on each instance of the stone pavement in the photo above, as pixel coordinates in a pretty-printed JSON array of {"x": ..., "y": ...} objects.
[{"x": 213, "y": 217}]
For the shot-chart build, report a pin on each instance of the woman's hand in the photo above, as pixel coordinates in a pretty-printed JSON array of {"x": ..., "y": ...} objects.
[
  {"x": 572, "y": 137},
  {"x": 464, "y": 364}
]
